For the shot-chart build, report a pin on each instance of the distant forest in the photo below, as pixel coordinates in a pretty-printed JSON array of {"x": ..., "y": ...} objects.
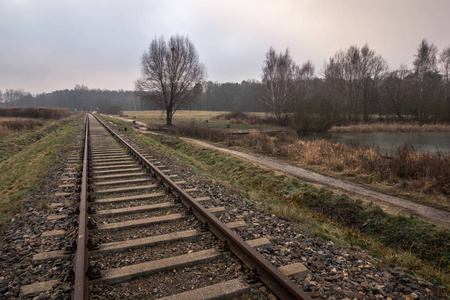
[{"x": 216, "y": 96}]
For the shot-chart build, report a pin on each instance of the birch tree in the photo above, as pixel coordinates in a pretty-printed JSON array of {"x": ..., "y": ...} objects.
[{"x": 280, "y": 86}]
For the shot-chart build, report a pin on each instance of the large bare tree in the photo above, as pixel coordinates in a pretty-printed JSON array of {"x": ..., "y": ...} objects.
[
  {"x": 171, "y": 74},
  {"x": 280, "y": 85}
]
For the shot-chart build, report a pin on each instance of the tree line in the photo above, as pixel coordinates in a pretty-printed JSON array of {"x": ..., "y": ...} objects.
[
  {"x": 80, "y": 98},
  {"x": 357, "y": 85},
  {"x": 215, "y": 96},
  {"x": 230, "y": 96}
]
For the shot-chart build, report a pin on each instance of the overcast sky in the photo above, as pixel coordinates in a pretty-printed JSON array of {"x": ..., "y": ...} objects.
[{"x": 48, "y": 45}]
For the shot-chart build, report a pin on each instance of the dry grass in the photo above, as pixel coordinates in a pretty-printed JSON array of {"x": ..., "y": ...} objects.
[
  {"x": 35, "y": 112},
  {"x": 394, "y": 127},
  {"x": 9, "y": 125},
  {"x": 207, "y": 119},
  {"x": 159, "y": 117},
  {"x": 239, "y": 117},
  {"x": 425, "y": 176}
]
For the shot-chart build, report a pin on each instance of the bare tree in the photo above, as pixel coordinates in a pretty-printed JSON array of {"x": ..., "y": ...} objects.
[
  {"x": 424, "y": 69},
  {"x": 395, "y": 91},
  {"x": 305, "y": 79},
  {"x": 11, "y": 97},
  {"x": 306, "y": 72},
  {"x": 361, "y": 70},
  {"x": 81, "y": 92},
  {"x": 171, "y": 74},
  {"x": 373, "y": 69},
  {"x": 280, "y": 87},
  {"x": 334, "y": 84},
  {"x": 444, "y": 60},
  {"x": 351, "y": 63}
]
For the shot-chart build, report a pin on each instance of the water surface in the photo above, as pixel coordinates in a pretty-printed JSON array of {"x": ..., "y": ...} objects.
[{"x": 387, "y": 142}]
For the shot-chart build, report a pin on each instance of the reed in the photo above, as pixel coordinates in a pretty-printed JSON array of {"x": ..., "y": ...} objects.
[
  {"x": 394, "y": 127},
  {"x": 35, "y": 112},
  {"x": 19, "y": 124},
  {"x": 9, "y": 125}
]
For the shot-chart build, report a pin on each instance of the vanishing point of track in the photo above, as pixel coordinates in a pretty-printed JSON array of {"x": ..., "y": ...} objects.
[{"x": 130, "y": 205}]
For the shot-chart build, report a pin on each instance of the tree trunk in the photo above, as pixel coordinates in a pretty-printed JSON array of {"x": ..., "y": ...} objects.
[{"x": 169, "y": 116}]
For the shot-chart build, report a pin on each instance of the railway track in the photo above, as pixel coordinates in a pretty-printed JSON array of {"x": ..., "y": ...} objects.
[{"x": 144, "y": 233}]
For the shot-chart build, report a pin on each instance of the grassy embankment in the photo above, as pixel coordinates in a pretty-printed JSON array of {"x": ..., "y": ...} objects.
[
  {"x": 13, "y": 120},
  {"x": 26, "y": 157},
  {"x": 414, "y": 245}
]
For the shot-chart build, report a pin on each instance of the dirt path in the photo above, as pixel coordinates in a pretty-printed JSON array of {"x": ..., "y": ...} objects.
[
  {"x": 398, "y": 204},
  {"x": 391, "y": 203}
]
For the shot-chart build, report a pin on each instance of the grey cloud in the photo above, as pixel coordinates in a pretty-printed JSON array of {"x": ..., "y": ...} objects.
[{"x": 48, "y": 45}]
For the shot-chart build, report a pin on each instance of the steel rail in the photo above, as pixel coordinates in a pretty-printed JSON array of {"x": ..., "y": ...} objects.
[
  {"x": 80, "y": 290},
  {"x": 279, "y": 283}
]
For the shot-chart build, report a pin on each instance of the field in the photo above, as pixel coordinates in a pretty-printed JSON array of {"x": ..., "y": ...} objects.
[{"x": 207, "y": 119}]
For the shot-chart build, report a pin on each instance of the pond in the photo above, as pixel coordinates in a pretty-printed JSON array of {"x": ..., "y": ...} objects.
[{"x": 389, "y": 141}]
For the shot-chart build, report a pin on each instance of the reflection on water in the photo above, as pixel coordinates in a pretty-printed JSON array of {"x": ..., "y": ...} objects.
[{"x": 387, "y": 142}]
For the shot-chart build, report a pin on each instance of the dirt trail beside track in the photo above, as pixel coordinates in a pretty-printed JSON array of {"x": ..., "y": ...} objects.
[
  {"x": 387, "y": 202},
  {"x": 398, "y": 204}
]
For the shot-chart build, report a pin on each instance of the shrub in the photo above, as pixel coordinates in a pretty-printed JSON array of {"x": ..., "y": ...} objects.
[
  {"x": 35, "y": 112},
  {"x": 19, "y": 124},
  {"x": 112, "y": 110},
  {"x": 239, "y": 117},
  {"x": 236, "y": 115}
]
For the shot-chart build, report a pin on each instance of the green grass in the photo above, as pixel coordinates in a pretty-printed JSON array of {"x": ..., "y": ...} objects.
[
  {"x": 414, "y": 245},
  {"x": 26, "y": 167}
]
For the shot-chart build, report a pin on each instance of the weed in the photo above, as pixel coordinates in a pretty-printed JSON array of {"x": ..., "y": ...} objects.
[{"x": 44, "y": 205}]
